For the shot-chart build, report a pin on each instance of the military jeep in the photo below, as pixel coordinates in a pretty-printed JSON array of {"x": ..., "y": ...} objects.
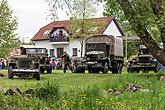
[
  {"x": 143, "y": 62},
  {"x": 28, "y": 63}
]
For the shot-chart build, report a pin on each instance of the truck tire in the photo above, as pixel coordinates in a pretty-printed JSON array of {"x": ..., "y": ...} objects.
[
  {"x": 74, "y": 69},
  {"x": 89, "y": 71},
  {"x": 10, "y": 73},
  {"x": 42, "y": 70},
  {"x": 37, "y": 76},
  {"x": 106, "y": 68},
  {"x": 114, "y": 70},
  {"x": 95, "y": 71},
  {"x": 155, "y": 70},
  {"x": 145, "y": 70},
  {"x": 82, "y": 70},
  {"x": 130, "y": 70}
]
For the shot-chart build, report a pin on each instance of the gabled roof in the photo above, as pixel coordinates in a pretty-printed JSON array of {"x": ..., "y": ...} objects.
[{"x": 40, "y": 35}]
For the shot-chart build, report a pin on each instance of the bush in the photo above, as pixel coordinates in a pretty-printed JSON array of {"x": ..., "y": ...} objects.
[{"x": 49, "y": 90}]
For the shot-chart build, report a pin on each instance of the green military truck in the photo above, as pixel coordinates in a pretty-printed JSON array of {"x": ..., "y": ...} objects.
[{"x": 102, "y": 53}]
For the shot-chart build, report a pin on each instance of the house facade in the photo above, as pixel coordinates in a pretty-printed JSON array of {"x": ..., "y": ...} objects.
[{"x": 55, "y": 37}]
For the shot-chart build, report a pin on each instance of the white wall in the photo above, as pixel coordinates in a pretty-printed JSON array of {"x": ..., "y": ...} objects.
[
  {"x": 45, "y": 44},
  {"x": 74, "y": 43},
  {"x": 112, "y": 30}
]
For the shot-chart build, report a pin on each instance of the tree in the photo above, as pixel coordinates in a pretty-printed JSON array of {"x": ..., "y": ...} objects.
[
  {"x": 147, "y": 19},
  {"x": 112, "y": 8},
  {"x": 79, "y": 11},
  {"x": 8, "y": 25}
]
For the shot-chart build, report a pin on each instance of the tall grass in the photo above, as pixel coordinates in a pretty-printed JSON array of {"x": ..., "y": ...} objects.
[{"x": 49, "y": 96}]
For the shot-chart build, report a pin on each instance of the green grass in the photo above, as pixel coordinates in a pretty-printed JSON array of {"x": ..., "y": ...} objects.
[
  {"x": 71, "y": 91},
  {"x": 66, "y": 81},
  {"x": 70, "y": 80}
]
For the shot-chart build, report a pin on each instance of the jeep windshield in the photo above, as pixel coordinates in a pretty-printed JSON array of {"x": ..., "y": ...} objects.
[{"x": 35, "y": 50}]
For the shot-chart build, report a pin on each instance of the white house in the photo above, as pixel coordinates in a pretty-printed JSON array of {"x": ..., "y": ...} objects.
[{"x": 55, "y": 36}]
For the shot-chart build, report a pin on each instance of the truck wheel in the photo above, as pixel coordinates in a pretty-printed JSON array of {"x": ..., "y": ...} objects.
[
  {"x": 74, "y": 69},
  {"x": 130, "y": 70},
  {"x": 82, "y": 70},
  {"x": 95, "y": 71},
  {"x": 34, "y": 75},
  {"x": 155, "y": 70},
  {"x": 145, "y": 71},
  {"x": 106, "y": 68},
  {"x": 137, "y": 71},
  {"x": 10, "y": 73},
  {"x": 37, "y": 76},
  {"x": 89, "y": 71},
  {"x": 42, "y": 69},
  {"x": 114, "y": 70}
]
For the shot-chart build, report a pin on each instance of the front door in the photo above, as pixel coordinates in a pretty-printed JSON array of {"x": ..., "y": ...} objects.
[{"x": 60, "y": 51}]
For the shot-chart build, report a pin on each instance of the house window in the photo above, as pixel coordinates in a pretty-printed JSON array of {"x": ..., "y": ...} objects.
[
  {"x": 74, "y": 51},
  {"x": 60, "y": 51},
  {"x": 51, "y": 52}
]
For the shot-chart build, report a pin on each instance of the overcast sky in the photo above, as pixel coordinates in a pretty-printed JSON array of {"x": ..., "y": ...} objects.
[{"x": 31, "y": 15}]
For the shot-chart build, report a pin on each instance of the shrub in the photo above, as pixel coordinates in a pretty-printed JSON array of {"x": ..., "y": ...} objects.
[{"x": 49, "y": 90}]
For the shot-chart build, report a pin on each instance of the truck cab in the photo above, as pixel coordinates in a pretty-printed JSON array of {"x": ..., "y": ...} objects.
[{"x": 97, "y": 57}]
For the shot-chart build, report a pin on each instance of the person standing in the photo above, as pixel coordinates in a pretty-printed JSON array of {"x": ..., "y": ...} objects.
[
  {"x": 66, "y": 62},
  {"x": 53, "y": 62}
]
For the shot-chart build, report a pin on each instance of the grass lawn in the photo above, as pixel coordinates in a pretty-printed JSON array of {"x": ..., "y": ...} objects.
[
  {"x": 82, "y": 92},
  {"x": 66, "y": 81},
  {"x": 70, "y": 80}
]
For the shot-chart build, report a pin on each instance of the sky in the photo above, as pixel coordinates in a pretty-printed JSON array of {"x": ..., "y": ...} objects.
[{"x": 32, "y": 16}]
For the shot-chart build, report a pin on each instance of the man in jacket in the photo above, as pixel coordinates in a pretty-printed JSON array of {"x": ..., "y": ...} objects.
[{"x": 66, "y": 62}]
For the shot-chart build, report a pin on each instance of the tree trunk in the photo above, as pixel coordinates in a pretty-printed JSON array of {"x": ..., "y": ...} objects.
[{"x": 142, "y": 32}]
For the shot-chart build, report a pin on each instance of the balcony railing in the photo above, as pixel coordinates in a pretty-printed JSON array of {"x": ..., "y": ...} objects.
[{"x": 58, "y": 38}]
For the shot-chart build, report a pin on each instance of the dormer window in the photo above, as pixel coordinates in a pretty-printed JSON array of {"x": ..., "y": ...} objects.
[{"x": 46, "y": 32}]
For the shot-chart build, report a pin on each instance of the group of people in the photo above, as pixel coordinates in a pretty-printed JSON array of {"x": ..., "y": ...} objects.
[
  {"x": 55, "y": 62},
  {"x": 63, "y": 62}
]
